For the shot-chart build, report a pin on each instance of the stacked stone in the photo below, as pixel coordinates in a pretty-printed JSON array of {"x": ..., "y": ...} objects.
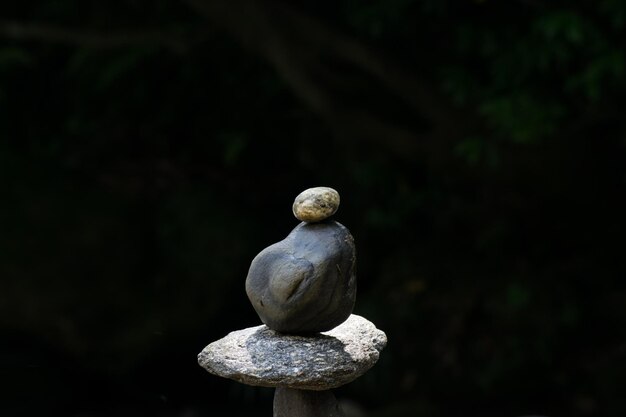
[{"x": 303, "y": 288}]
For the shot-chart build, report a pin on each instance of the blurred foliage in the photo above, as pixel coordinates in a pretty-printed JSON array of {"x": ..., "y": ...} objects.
[{"x": 139, "y": 179}]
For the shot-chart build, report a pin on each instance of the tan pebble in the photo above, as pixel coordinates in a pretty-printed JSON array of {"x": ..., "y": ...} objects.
[{"x": 316, "y": 204}]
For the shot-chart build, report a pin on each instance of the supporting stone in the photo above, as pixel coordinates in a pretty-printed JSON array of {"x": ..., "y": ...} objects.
[
  {"x": 261, "y": 356},
  {"x": 289, "y": 402},
  {"x": 303, "y": 289}
]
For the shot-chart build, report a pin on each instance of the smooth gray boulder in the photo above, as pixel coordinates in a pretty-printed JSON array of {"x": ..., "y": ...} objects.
[
  {"x": 305, "y": 283},
  {"x": 263, "y": 357}
]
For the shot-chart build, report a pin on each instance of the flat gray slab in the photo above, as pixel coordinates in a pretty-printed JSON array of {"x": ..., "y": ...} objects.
[{"x": 260, "y": 356}]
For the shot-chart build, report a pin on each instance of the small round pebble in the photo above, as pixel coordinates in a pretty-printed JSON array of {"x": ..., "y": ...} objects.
[{"x": 316, "y": 204}]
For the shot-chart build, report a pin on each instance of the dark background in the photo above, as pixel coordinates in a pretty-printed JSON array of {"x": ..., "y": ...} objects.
[{"x": 149, "y": 149}]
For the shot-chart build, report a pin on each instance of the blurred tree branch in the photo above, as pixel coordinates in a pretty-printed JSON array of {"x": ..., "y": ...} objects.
[
  {"x": 352, "y": 87},
  {"x": 55, "y": 34},
  {"x": 310, "y": 56}
]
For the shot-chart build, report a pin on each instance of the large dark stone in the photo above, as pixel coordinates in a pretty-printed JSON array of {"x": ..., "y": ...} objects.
[{"x": 307, "y": 282}]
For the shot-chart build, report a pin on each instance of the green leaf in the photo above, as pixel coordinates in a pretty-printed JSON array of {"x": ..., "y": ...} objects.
[
  {"x": 517, "y": 296},
  {"x": 564, "y": 25},
  {"x": 233, "y": 145},
  {"x": 14, "y": 57},
  {"x": 599, "y": 75},
  {"x": 121, "y": 65},
  {"x": 521, "y": 117}
]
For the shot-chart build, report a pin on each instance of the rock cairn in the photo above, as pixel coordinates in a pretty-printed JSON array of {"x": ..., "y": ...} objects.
[{"x": 303, "y": 288}]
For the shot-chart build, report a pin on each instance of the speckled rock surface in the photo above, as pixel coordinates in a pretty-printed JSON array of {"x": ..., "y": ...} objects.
[
  {"x": 260, "y": 356},
  {"x": 316, "y": 204},
  {"x": 305, "y": 283}
]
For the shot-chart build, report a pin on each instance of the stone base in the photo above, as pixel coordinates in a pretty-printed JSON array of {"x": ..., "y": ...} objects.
[
  {"x": 290, "y": 402},
  {"x": 303, "y": 369},
  {"x": 261, "y": 356}
]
